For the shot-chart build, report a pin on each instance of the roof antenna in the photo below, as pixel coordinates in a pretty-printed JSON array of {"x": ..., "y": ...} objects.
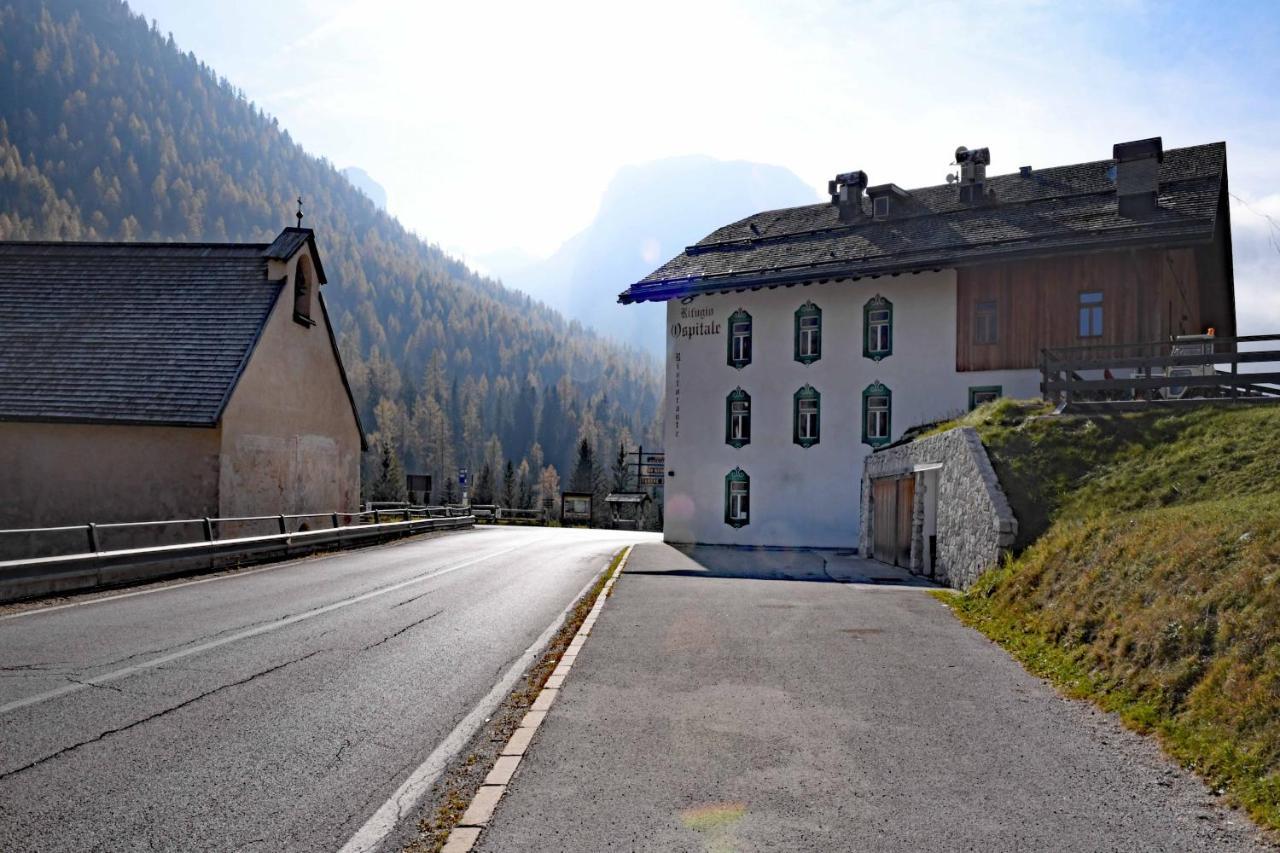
[{"x": 299, "y": 213}]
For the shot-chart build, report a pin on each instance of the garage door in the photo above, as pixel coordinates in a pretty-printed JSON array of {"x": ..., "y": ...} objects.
[{"x": 892, "y": 500}]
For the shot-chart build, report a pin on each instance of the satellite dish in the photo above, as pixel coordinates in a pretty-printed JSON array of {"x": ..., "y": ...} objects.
[
  {"x": 951, "y": 178},
  {"x": 960, "y": 152}
]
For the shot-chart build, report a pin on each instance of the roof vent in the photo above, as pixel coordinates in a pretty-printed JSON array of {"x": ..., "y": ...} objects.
[
  {"x": 973, "y": 172},
  {"x": 1024, "y": 171},
  {"x": 1138, "y": 174},
  {"x": 846, "y": 194},
  {"x": 884, "y": 198}
]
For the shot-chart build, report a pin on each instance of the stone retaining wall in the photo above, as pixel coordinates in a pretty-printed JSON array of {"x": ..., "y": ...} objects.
[{"x": 974, "y": 522}]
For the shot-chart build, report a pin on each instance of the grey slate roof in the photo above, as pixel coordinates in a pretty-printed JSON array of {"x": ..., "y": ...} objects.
[
  {"x": 1051, "y": 211},
  {"x": 128, "y": 332}
]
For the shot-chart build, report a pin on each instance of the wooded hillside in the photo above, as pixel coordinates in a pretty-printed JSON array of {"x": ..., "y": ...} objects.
[{"x": 109, "y": 132}]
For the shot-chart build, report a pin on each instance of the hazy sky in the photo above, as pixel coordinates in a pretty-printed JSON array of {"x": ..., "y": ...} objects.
[{"x": 496, "y": 126}]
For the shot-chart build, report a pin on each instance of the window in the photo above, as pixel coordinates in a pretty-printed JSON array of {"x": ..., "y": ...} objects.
[
  {"x": 1091, "y": 314},
  {"x": 880, "y": 207},
  {"x": 302, "y": 277},
  {"x": 983, "y": 394},
  {"x": 986, "y": 328},
  {"x": 877, "y": 328},
  {"x": 737, "y": 408},
  {"x": 737, "y": 498},
  {"x": 808, "y": 333},
  {"x": 739, "y": 339},
  {"x": 877, "y": 409},
  {"x": 806, "y": 416}
]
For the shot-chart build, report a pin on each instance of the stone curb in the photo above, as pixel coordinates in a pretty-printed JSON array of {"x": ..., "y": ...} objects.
[{"x": 464, "y": 836}]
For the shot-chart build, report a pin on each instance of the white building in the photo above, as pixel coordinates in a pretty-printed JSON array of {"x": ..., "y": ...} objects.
[{"x": 799, "y": 340}]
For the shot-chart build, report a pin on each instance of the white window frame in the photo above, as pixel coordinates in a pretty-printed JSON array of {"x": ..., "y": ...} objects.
[
  {"x": 807, "y": 419},
  {"x": 879, "y": 324},
  {"x": 810, "y": 335},
  {"x": 740, "y": 420},
  {"x": 742, "y": 340},
  {"x": 878, "y": 416},
  {"x": 740, "y": 501}
]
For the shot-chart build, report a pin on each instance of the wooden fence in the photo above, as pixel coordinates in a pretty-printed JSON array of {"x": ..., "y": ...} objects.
[{"x": 1130, "y": 376}]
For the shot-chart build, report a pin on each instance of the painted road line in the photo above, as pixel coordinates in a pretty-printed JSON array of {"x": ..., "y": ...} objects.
[
  {"x": 116, "y": 675},
  {"x": 478, "y": 814},
  {"x": 406, "y": 798}
]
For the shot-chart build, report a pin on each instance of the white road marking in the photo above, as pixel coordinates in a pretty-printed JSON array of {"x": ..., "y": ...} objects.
[
  {"x": 125, "y": 672},
  {"x": 164, "y": 587},
  {"x": 407, "y": 797}
]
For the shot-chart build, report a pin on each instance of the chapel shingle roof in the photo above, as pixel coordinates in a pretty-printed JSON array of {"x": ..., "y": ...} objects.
[
  {"x": 1051, "y": 211},
  {"x": 154, "y": 333}
]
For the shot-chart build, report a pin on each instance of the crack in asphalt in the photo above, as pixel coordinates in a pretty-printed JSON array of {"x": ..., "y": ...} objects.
[
  {"x": 158, "y": 714},
  {"x": 410, "y": 600},
  {"x": 401, "y": 631}
]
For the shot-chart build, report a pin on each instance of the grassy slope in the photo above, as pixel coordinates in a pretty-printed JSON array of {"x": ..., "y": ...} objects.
[{"x": 1153, "y": 582}]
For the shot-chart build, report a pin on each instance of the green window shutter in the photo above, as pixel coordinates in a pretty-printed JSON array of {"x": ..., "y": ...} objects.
[
  {"x": 877, "y": 328},
  {"x": 806, "y": 416},
  {"x": 737, "y": 418},
  {"x": 737, "y": 498},
  {"x": 808, "y": 333},
  {"x": 979, "y": 394},
  {"x": 739, "y": 342},
  {"x": 877, "y": 415}
]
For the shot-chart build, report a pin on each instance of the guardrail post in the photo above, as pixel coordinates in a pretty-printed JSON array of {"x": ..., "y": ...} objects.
[
  {"x": 284, "y": 528},
  {"x": 92, "y": 530},
  {"x": 335, "y": 521},
  {"x": 208, "y": 529},
  {"x": 377, "y": 516}
]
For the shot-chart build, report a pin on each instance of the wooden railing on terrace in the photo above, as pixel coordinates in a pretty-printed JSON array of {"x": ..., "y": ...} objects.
[{"x": 1187, "y": 370}]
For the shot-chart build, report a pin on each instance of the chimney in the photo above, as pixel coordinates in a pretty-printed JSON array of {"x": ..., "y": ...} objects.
[
  {"x": 973, "y": 173},
  {"x": 846, "y": 194},
  {"x": 1138, "y": 174}
]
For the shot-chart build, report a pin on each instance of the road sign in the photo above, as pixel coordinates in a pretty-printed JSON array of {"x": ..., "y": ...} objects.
[
  {"x": 651, "y": 481},
  {"x": 653, "y": 459},
  {"x": 652, "y": 471},
  {"x": 462, "y": 477}
]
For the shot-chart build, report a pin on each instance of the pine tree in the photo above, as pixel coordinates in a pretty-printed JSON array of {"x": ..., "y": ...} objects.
[
  {"x": 390, "y": 484},
  {"x": 621, "y": 475},
  {"x": 484, "y": 486},
  {"x": 509, "y": 486},
  {"x": 585, "y": 472}
]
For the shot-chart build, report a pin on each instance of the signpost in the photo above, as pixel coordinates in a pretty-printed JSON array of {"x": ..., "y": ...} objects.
[
  {"x": 651, "y": 467},
  {"x": 462, "y": 484}
]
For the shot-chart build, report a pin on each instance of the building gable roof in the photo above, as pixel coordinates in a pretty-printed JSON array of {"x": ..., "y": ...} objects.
[
  {"x": 1046, "y": 211},
  {"x": 141, "y": 333}
]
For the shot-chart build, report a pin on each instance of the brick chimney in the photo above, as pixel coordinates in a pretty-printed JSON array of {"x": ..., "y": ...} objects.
[
  {"x": 846, "y": 194},
  {"x": 1138, "y": 174}
]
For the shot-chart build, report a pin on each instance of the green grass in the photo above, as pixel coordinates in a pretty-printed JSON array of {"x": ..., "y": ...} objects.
[{"x": 1150, "y": 578}]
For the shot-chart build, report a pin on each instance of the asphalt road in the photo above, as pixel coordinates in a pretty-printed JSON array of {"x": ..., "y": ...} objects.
[
  {"x": 759, "y": 701},
  {"x": 273, "y": 709}
]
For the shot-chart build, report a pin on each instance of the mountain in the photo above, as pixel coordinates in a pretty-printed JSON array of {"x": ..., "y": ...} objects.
[
  {"x": 109, "y": 132},
  {"x": 360, "y": 179},
  {"x": 648, "y": 214}
]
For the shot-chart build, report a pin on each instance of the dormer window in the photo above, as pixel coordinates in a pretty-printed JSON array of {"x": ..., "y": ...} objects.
[
  {"x": 884, "y": 198},
  {"x": 303, "y": 283}
]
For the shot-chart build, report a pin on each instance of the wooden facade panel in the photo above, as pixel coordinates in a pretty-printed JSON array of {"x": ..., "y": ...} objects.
[{"x": 1147, "y": 295}]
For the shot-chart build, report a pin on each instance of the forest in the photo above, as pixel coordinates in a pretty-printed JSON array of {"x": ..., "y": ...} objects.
[{"x": 108, "y": 131}]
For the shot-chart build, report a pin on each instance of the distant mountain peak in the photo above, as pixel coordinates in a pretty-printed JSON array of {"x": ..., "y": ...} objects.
[
  {"x": 361, "y": 180},
  {"x": 648, "y": 213}
]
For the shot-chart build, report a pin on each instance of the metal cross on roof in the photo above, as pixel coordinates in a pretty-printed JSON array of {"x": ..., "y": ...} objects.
[{"x": 299, "y": 214}]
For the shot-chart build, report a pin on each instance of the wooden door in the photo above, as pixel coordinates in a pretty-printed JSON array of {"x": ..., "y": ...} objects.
[
  {"x": 905, "y": 515},
  {"x": 884, "y": 498}
]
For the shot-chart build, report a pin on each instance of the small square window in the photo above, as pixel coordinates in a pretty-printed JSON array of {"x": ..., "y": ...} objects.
[
  {"x": 986, "y": 328},
  {"x": 983, "y": 394},
  {"x": 1091, "y": 314}
]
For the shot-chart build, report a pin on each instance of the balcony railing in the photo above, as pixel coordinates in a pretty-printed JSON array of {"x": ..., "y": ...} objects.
[{"x": 1184, "y": 370}]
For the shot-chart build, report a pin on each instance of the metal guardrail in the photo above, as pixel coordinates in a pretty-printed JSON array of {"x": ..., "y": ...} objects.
[
  {"x": 31, "y": 576},
  {"x": 1154, "y": 367}
]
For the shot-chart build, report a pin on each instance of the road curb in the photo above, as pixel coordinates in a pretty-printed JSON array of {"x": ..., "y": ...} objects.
[{"x": 478, "y": 814}]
